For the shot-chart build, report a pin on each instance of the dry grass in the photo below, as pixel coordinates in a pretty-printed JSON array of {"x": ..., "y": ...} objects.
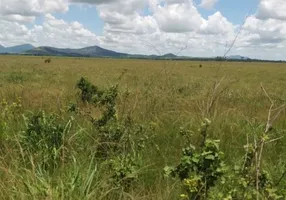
[
  {"x": 170, "y": 94},
  {"x": 179, "y": 82}
]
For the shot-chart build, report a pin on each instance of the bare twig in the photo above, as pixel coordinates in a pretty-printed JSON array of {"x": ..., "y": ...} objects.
[
  {"x": 266, "y": 94},
  {"x": 257, "y": 169},
  {"x": 246, "y": 155},
  {"x": 270, "y": 120},
  {"x": 281, "y": 178},
  {"x": 272, "y": 117},
  {"x": 214, "y": 96},
  {"x": 233, "y": 42},
  {"x": 273, "y": 140}
]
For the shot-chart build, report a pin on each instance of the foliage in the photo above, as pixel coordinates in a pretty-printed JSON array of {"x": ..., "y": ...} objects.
[
  {"x": 43, "y": 139},
  {"x": 104, "y": 98},
  {"x": 17, "y": 77},
  {"x": 118, "y": 140},
  {"x": 10, "y": 110},
  {"x": 72, "y": 107},
  {"x": 89, "y": 92},
  {"x": 242, "y": 181},
  {"x": 125, "y": 170},
  {"x": 9, "y": 113},
  {"x": 199, "y": 169}
]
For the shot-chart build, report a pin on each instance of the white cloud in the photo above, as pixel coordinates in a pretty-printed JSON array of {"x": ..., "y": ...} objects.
[
  {"x": 26, "y": 10},
  {"x": 56, "y": 32},
  {"x": 217, "y": 24},
  {"x": 121, "y": 6},
  {"x": 270, "y": 31},
  {"x": 272, "y": 9},
  {"x": 18, "y": 18},
  {"x": 97, "y": 2},
  {"x": 208, "y": 4},
  {"x": 13, "y": 33},
  {"x": 178, "y": 16},
  {"x": 53, "y": 32}
]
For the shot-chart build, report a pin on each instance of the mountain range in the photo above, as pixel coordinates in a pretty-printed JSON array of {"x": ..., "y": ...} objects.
[
  {"x": 92, "y": 51},
  {"x": 16, "y": 49}
]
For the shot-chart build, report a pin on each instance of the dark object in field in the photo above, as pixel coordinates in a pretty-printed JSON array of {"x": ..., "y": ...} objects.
[
  {"x": 201, "y": 66},
  {"x": 48, "y": 60}
]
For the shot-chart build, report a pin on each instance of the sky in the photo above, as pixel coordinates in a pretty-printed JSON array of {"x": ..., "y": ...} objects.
[{"x": 204, "y": 28}]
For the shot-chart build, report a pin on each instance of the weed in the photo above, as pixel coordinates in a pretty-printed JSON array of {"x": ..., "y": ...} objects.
[
  {"x": 120, "y": 141},
  {"x": 17, "y": 77},
  {"x": 199, "y": 169},
  {"x": 43, "y": 139}
]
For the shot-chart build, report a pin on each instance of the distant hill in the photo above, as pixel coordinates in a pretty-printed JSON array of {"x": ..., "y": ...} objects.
[
  {"x": 169, "y": 55},
  {"x": 237, "y": 57},
  {"x": 96, "y": 51},
  {"x": 92, "y": 51},
  {"x": 1, "y": 48},
  {"x": 16, "y": 49}
]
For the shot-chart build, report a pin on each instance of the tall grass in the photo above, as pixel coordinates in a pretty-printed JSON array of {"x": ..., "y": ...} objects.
[{"x": 179, "y": 100}]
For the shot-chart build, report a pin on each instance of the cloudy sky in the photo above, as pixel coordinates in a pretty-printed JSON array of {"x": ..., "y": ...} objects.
[{"x": 188, "y": 27}]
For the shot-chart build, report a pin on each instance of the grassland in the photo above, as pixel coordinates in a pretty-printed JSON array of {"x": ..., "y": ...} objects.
[{"x": 166, "y": 95}]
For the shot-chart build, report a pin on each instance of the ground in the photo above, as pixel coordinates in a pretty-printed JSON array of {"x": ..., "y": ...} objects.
[{"x": 168, "y": 95}]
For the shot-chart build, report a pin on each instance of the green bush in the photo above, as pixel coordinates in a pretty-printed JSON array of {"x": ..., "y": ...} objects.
[
  {"x": 119, "y": 140},
  {"x": 199, "y": 169},
  {"x": 43, "y": 139}
]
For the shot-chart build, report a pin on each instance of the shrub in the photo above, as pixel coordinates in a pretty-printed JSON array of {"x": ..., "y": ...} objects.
[
  {"x": 43, "y": 138},
  {"x": 88, "y": 91},
  {"x": 199, "y": 169},
  {"x": 119, "y": 141},
  {"x": 125, "y": 170}
]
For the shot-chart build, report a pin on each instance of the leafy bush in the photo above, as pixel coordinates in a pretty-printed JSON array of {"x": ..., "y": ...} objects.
[
  {"x": 243, "y": 183},
  {"x": 9, "y": 113},
  {"x": 43, "y": 139},
  {"x": 118, "y": 140},
  {"x": 88, "y": 91},
  {"x": 199, "y": 169},
  {"x": 125, "y": 170}
]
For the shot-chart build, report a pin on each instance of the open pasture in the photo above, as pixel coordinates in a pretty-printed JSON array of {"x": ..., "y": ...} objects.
[{"x": 167, "y": 97}]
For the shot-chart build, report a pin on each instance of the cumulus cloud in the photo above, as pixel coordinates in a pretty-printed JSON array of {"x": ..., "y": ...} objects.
[
  {"x": 96, "y": 1},
  {"x": 208, "y": 4},
  {"x": 217, "y": 24},
  {"x": 178, "y": 16},
  {"x": 26, "y": 10},
  {"x": 18, "y": 18},
  {"x": 13, "y": 33},
  {"x": 270, "y": 31},
  {"x": 272, "y": 9},
  {"x": 120, "y": 6},
  {"x": 53, "y": 32}
]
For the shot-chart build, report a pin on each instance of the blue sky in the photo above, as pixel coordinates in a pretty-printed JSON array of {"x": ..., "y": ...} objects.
[
  {"x": 86, "y": 15},
  {"x": 234, "y": 10}
]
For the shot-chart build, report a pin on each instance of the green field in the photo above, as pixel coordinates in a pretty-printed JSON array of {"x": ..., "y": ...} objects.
[{"x": 156, "y": 101}]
